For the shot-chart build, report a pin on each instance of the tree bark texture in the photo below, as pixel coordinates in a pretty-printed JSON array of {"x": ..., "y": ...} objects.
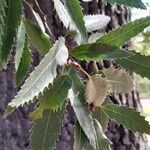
[{"x": 15, "y": 130}]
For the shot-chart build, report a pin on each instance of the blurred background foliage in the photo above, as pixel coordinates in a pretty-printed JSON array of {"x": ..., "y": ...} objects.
[{"x": 141, "y": 43}]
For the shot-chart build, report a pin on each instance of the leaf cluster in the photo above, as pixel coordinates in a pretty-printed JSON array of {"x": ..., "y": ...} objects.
[{"x": 56, "y": 81}]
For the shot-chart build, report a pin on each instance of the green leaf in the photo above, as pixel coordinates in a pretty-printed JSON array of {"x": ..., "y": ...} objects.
[
  {"x": 45, "y": 131},
  {"x": 76, "y": 80},
  {"x": 81, "y": 109},
  {"x": 72, "y": 17},
  {"x": 3, "y": 6},
  {"x": 101, "y": 117},
  {"x": 124, "y": 33},
  {"x": 81, "y": 141},
  {"x": 96, "y": 90},
  {"x": 83, "y": 116},
  {"x": 20, "y": 44},
  {"x": 24, "y": 65},
  {"x": 106, "y": 46},
  {"x": 103, "y": 142},
  {"x": 137, "y": 63},
  {"x": 119, "y": 81},
  {"x": 23, "y": 56},
  {"x": 97, "y": 52},
  {"x": 43, "y": 75},
  {"x": 75, "y": 11},
  {"x": 8, "y": 111},
  {"x": 131, "y": 3},
  {"x": 11, "y": 23},
  {"x": 127, "y": 117},
  {"x": 53, "y": 97},
  {"x": 39, "y": 40},
  {"x": 38, "y": 15}
]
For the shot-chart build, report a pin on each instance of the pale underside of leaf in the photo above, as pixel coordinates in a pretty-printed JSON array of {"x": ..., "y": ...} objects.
[
  {"x": 91, "y": 22},
  {"x": 20, "y": 44},
  {"x": 83, "y": 116},
  {"x": 96, "y": 90},
  {"x": 39, "y": 20},
  {"x": 103, "y": 141},
  {"x": 76, "y": 95},
  {"x": 94, "y": 37},
  {"x": 68, "y": 21},
  {"x": 81, "y": 141},
  {"x": 75, "y": 10},
  {"x": 25, "y": 63},
  {"x": 43, "y": 75},
  {"x": 37, "y": 13},
  {"x": 96, "y": 22},
  {"x": 119, "y": 81}
]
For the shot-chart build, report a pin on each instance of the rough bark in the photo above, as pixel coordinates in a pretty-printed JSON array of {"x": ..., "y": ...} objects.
[{"x": 14, "y": 131}]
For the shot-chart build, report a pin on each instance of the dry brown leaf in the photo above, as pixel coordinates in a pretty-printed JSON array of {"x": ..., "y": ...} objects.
[
  {"x": 96, "y": 90},
  {"x": 119, "y": 81}
]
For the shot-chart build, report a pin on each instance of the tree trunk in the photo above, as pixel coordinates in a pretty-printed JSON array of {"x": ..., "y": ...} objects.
[{"x": 14, "y": 131}]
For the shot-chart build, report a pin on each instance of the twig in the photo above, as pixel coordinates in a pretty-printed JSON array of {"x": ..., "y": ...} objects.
[{"x": 76, "y": 65}]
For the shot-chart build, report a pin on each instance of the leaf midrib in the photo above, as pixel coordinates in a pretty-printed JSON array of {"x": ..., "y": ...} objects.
[
  {"x": 80, "y": 136},
  {"x": 99, "y": 52},
  {"x": 140, "y": 64},
  {"x": 37, "y": 78},
  {"x": 46, "y": 128},
  {"x": 65, "y": 78},
  {"x": 125, "y": 116},
  {"x": 77, "y": 26},
  {"x": 118, "y": 82},
  {"x": 120, "y": 35}
]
